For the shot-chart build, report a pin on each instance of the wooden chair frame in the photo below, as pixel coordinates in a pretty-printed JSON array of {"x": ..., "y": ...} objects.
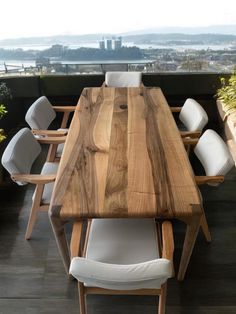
[
  {"x": 201, "y": 180},
  {"x": 76, "y": 248},
  {"x": 39, "y": 180},
  {"x": 66, "y": 113}
]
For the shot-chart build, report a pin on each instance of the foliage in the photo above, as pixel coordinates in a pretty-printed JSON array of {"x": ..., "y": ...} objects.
[
  {"x": 227, "y": 94},
  {"x": 5, "y": 95},
  {"x": 2, "y": 113}
]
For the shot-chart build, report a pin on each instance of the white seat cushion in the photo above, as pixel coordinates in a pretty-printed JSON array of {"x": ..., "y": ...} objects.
[
  {"x": 123, "y": 79},
  {"x": 48, "y": 168},
  {"x": 214, "y": 154},
  {"x": 60, "y": 147},
  {"x": 122, "y": 241},
  {"x": 122, "y": 254}
]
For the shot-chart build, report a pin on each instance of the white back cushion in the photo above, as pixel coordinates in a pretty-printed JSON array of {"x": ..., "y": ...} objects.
[
  {"x": 214, "y": 154},
  {"x": 40, "y": 114},
  {"x": 151, "y": 274},
  {"x": 20, "y": 153},
  {"x": 193, "y": 116},
  {"x": 123, "y": 79}
]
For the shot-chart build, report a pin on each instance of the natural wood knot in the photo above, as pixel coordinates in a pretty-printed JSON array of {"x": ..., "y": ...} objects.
[{"x": 123, "y": 106}]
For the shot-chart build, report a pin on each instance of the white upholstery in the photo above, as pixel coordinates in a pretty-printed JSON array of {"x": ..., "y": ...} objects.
[
  {"x": 149, "y": 275},
  {"x": 193, "y": 116},
  {"x": 21, "y": 153},
  {"x": 60, "y": 147},
  {"x": 123, "y": 79},
  {"x": 214, "y": 154},
  {"x": 40, "y": 114},
  {"x": 48, "y": 168},
  {"x": 122, "y": 254}
]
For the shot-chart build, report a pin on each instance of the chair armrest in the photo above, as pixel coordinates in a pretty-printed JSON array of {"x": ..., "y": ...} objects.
[
  {"x": 168, "y": 240},
  {"x": 52, "y": 140},
  {"x": 51, "y": 133},
  {"x": 190, "y": 141},
  {"x": 175, "y": 109},
  {"x": 192, "y": 134},
  {"x": 200, "y": 180},
  {"x": 34, "y": 178},
  {"x": 64, "y": 108}
]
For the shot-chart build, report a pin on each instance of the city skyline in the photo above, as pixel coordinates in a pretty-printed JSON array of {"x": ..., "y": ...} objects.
[{"x": 23, "y": 19}]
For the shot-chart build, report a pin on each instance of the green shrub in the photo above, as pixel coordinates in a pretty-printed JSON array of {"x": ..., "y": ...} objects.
[
  {"x": 5, "y": 96},
  {"x": 227, "y": 94}
]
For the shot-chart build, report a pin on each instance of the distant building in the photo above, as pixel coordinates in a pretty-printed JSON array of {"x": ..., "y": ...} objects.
[
  {"x": 113, "y": 43},
  {"x": 117, "y": 43},
  {"x": 109, "y": 44},
  {"x": 102, "y": 44}
]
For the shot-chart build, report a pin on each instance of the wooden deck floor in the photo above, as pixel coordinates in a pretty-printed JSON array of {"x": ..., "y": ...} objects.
[{"x": 32, "y": 277}]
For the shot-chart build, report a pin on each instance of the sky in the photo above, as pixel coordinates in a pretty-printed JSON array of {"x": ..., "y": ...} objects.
[{"x": 28, "y": 18}]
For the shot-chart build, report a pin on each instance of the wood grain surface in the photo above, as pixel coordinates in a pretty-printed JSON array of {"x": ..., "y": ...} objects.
[{"x": 124, "y": 157}]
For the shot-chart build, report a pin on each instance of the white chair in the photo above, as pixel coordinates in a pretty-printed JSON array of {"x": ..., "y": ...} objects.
[
  {"x": 193, "y": 117},
  {"x": 17, "y": 159},
  {"x": 215, "y": 157},
  {"x": 39, "y": 117},
  {"x": 123, "y": 79},
  {"x": 124, "y": 256},
  {"x": 216, "y": 160}
]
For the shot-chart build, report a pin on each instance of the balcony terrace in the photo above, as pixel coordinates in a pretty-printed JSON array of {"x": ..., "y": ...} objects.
[{"x": 32, "y": 276}]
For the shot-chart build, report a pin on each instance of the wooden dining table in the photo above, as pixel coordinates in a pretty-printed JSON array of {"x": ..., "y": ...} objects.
[{"x": 124, "y": 157}]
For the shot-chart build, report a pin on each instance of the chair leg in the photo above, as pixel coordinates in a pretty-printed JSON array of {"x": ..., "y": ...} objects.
[
  {"x": 51, "y": 156},
  {"x": 82, "y": 298},
  {"x": 205, "y": 228},
  {"x": 162, "y": 299},
  {"x": 34, "y": 210}
]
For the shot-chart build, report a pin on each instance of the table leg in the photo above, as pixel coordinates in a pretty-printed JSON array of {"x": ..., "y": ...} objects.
[
  {"x": 192, "y": 229},
  {"x": 60, "y": 235},
  {"x": 75, "y": 242}
]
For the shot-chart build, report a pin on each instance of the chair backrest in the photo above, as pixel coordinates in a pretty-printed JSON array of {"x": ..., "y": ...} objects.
[
  {"x": 123, "y": 79},
  {"x": 214, "y": 154},
  {"x": 193, "y": 116},
  {"x": 20, "y": 153},
  {"x": 40, "y": 114},
  {"x": 121, "y": 277},
  {"x": 122, "y": 254}
]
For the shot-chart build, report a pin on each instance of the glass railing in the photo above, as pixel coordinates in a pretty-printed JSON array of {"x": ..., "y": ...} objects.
[{"x": 100, "y": 67}]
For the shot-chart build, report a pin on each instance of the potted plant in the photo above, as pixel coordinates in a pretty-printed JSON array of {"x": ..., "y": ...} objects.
[
  {"x": 5, "y": 96},
  {"x": 2, "y": 113},
  {"x": 226, "y": 95}
]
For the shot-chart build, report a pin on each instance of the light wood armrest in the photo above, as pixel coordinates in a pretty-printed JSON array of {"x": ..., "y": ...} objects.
[
  {"x": 192, "y": 134},
  {"x": 175, "y": 109},
  {"x": 34, "y": 178},
  {"x": 64, "y": 108},
  {"x": 50, "y": 132},
  {"x": 200, "y": 180},
  {"x": 51, "y": 140},
  {"x": 190, "y": 141},
  {"x": 168, "y": 240}
]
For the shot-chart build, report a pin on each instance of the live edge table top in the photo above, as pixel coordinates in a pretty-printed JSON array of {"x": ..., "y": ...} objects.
[{"x": 124, "y": 157}]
